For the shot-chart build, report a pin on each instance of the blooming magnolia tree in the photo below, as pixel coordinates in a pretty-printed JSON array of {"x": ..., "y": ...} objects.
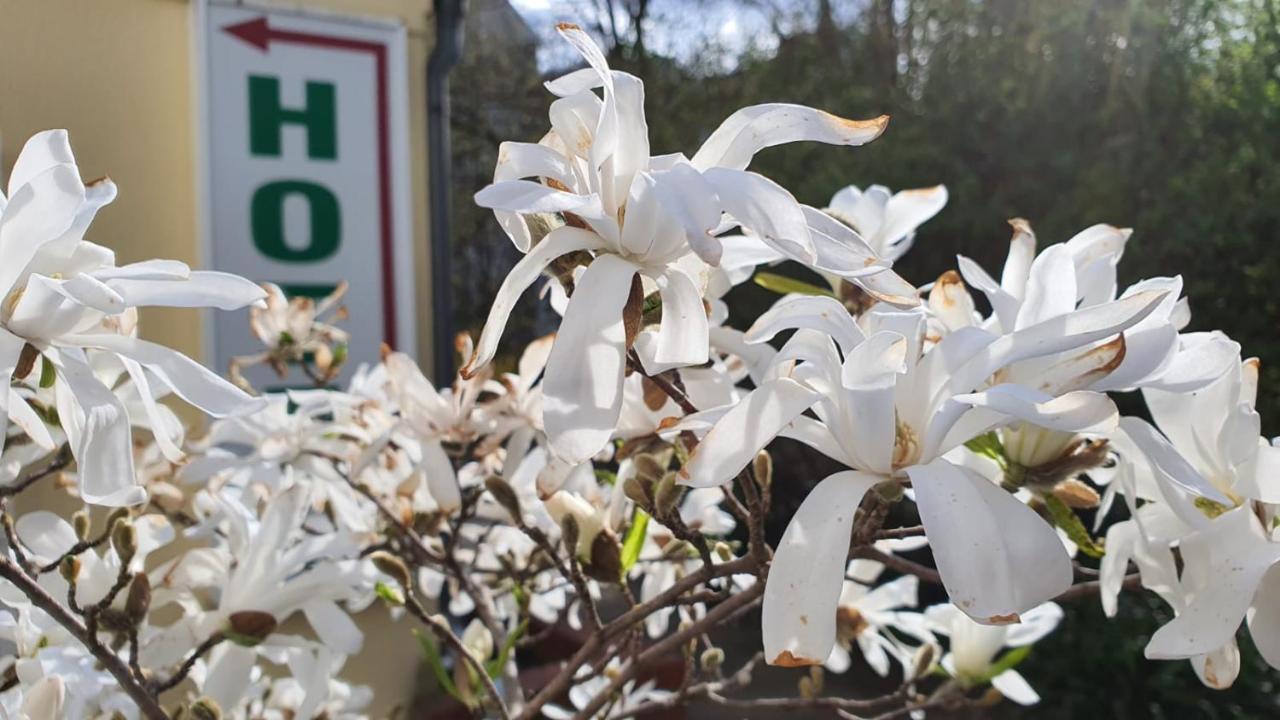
[{"x": 618, "y": 481}]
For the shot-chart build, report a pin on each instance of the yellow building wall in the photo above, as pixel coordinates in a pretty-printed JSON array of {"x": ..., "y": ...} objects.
[{"x": 119, "y": 75}]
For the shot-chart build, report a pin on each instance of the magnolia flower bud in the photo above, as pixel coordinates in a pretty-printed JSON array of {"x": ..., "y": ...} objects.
[
  {"x": 668, "y": 494},
  {"x": 248, "y": 628},
  {"x": 712, "y": 658},
  {"x": 80, "y": 523},
  {"x": 723, "y": 551},
  {"x": 923, "y": 659},
  {"x": 639, "y": 491},
  {"x": 206, "y": 709},
  {"x": 806, "y": 689},
  {"x": 1076, "y": 494},
  {"x": 124, "y": 538},
  {"x": 606, "y": 558},
  {"x": 477, "y": 639},
  {"x": 69, "y": 568},
  {"x": 393, "y": 566},
  {"x": 648, "y": 468},
  {"x": 762, "y": 469},
  {"x": 138, "y": 601},
  {"x": 26, "y": 361},
  {"x": 505, "y": 495},
  {"x": 569, "y": 531}
]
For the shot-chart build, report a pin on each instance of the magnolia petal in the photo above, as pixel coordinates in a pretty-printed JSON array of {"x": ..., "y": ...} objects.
[
  {"x": 1013, "y": 686},
  {"x": 683, "y": 334},
  {"x": 442, "y": 481},
  {"x": 220, "y": 290},
  {"x": 43, "y": 701},
  {"x": 103, "y": 447},
  {"x": 525, "y": 196},
  {"x": 908, "y": 210},
  {"x": 752, "y": 129},
  {"x": 188, "y": 379},
  {"x": 1054, "y": 335},
  {"x": 10, "y": 350},
  {"x": 803, "y": 588},
  {"x": 558, "y": 242},
  {"x": 334, "y": 627},
  {"x": 582, "y": 390},
  {"x": 1051, "y": 287},
  {"x": 38, "y": 212},
  {"x": 766, "y": 209},
  {"x": 888, "y": 286},
  {"x": 1167, "y": 462},
  {"x": 1003, "y": 304},
  {"x": 229, "y": 674},
  {"x": 746, "y": 429},
  {"x": 45, "y": 535},
  {"x": 1079, "y": 411},
  {"x": 24, "y": 416},
  {"x": 997, "y": 557},
  {"x": 1264, "y": 617},
  {"x": 869, "y": 374},
  {"x": 814, "y": 312},
  {"x": 1220, "y": 668},
  {"x": 1233, "y": 555}
]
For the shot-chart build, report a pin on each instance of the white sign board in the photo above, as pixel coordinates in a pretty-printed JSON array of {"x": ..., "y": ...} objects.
[{"x": 305, "y": 169}]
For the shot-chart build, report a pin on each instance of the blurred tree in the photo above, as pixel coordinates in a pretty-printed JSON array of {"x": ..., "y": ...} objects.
[{"x": 1161, "y": 115}]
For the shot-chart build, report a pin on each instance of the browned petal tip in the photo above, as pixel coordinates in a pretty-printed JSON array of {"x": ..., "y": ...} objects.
[
  {"x": 950, "y": 277},
  {"x": 1020, "y": 225},
  {"x": 1010, "y": 619},
  {"x": 98, "y": 181},
  {"x": 1254, "y": 363},
  {"x": 567, "y": 26},
  {"x": 385, "y": 352},
  {"x": 786, "y": 659}
]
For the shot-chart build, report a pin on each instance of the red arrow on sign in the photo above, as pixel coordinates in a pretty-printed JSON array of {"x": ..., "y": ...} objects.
[{"x": 258, "y": 33}]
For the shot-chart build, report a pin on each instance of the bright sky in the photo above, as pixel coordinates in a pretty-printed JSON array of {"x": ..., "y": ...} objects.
[{"x": 676, "y": 27}]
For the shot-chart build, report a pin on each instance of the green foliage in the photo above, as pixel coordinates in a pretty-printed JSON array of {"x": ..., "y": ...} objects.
[
  {"x": 635, "y": 539},
  {"x": 1067, "y": 521},
  {"x": 783, "y": 285}
]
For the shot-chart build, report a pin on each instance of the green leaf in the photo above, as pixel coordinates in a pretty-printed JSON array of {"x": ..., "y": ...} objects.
[
  {"x": 494, "y": 666},
  {"x": 47, "y": 373},
  {"x": 389, "y": 594},
  {"x": 606, "y": 477},
  {"x": 635, "y": 539},
  {"x": 1070, "y": 523},
  {"x": 1008, "y": 661},
  {"x": 784, "y": 285},
  {"x": 988, "y": 445},
  {"x": 432, "y": 653}
]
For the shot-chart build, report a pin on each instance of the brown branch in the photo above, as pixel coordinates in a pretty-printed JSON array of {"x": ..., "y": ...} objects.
[
  {"x": 57, "y": 461},
  {"x": 146, "y": 703}
]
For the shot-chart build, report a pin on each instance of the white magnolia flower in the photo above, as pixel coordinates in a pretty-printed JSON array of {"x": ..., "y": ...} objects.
[
  {"x": 64, "y": 299},
  {"x": 630, "y": 697},
  {"x": 973, "y": 647},
  {"x": 647, "y": 225},
  {"x": 867, "y": 615},
  {"x": 1145, "y": 540},
  {"x": 891, "y": 412},
  {"x": 267, "y": 566},
  {"x": 42, "y": 701},
  {"x": 887, "y": 221},
  {"x": 1229, "y": 575},
  {"x": 1212, "y": 445}
]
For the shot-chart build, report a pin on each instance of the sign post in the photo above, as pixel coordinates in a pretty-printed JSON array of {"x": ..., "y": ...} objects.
[{"x": 306, "y": 175}]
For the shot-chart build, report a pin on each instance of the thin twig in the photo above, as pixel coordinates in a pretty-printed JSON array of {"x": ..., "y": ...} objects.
[{"x": 145, "y": 701}]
